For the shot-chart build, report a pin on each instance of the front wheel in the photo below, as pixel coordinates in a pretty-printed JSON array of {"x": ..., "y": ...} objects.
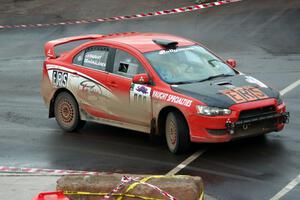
[
  {"x": 67, "y": 113},
  {"x": 177, "y": 133}
]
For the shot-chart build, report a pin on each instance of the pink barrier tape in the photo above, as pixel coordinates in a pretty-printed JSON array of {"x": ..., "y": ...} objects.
[
  {"x": 120, "y": 18},
  {"x": 5, "y": 169}
]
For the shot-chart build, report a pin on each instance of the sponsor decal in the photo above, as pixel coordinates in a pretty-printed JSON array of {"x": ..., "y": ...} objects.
[
  {"x": 140, "y": 93},
  {"x": 167, "y": 51},
  {"x": 71, "y": 74},
  {"x": 88, "y": 89},
  {"x": 94, "y": 60},
  {"x": 171, "y": 98},
  {"x": 244, "y": 94},
  {"x": 59, "y": 78},
  {"x": 251, "y": 79},
  {"x": 142, "y": 89}
]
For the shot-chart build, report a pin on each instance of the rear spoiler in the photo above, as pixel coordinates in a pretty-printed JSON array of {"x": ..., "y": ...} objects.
[{"x": 49, "y": 46}]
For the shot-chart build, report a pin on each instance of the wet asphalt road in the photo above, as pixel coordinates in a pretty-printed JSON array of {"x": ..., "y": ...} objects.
[{"x": 263, "y": 38}]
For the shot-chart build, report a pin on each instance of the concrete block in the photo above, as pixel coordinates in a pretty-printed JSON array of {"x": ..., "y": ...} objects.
[{"x": 181, "y": 187}]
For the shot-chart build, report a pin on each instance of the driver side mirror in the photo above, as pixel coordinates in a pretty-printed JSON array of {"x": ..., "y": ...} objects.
[
  {"x": 141, "y": 79},
  {"x": 231, "y": 62}
]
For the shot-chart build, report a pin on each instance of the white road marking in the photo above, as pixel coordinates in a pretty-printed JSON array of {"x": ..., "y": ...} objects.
[
  {"x": 290, "y": 87},
  {"x": 291, "y": 185},
  {"x": 287, "y": 188},
  {"x": 197, "y": 154},
  {"x": 185, "y": 163}
]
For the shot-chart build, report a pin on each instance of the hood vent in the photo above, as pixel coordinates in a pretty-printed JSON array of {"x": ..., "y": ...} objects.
[
  {"x": 226, "y": 85},
  {"x": 223, "y": 83}
]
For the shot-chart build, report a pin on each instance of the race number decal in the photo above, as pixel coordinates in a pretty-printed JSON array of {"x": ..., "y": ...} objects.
[
  {"x": 139, "y": 93},
  {"x": 245, "y": 94},
  {"x": 59, "y": 78}
]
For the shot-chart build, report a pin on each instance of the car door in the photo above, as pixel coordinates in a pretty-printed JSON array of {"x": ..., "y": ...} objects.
[
  {"x": 89, "y": 82},
  {"x": 134, "y": 100}
]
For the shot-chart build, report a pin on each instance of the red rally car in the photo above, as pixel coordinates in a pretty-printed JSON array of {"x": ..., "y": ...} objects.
[{"x": 157, "y": 84}]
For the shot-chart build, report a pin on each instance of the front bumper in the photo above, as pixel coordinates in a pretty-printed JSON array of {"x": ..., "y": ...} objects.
[
  {"x": 233, "y": 127},
  {"x": 239, "y": 123}
]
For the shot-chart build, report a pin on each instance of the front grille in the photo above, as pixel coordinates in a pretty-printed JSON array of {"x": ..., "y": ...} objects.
[
  {"x": 248, "y": 114},
  {"x": 259, "y": 127},
  {"x": 256, "y": 121}
]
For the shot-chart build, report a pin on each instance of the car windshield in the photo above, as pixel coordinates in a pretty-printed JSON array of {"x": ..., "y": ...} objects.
[{"x": 187, "y": 65}]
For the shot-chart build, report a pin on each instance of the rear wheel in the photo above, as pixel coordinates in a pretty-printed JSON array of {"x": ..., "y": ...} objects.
[
  {"x": 177, "y": 133},
  {"x": 67, "y": 113}
]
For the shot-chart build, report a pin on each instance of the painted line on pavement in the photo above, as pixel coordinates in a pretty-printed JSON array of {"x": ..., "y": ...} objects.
[
  {"x": 290, "y": 87},
  {"x": 291, "y": 185},
  {"x": 197, "y": 154},
  {"x": 185, "y": 163}
]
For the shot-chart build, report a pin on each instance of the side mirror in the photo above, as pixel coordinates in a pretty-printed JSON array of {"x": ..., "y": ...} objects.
[
  {"x": 231, "y": 62},
  {"x": 141, "y": 79}
]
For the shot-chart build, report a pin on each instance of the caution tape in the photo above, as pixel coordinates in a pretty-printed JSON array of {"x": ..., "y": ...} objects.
[
  {"x": 144, "y": 182},
  {"x": 25, "y": 170},
  {"x": 134, "y": 182},
  {"x": 114, "y": 194},
  {"x": 126, "y": 17}
]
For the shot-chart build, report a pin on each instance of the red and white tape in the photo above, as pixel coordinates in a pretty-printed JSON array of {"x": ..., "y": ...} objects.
[
  {"x": 130, "y": 180},
  {"x": 124, "y": 180},
  {"x": 119, "y": 18},
  {"x": 24, "y": 170}
]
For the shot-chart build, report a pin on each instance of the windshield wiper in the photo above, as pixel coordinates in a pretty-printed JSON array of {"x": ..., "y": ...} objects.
[
  {"x": 216, "y": 76},
  {"x": 182, "y": 82},
  {"x": 195, "y": 81}
]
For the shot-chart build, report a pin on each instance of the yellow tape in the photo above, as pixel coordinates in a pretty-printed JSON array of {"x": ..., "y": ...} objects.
[
  {"x": 130, "y": 187},
  {"x": 133, "y": 185},
  {"x": 114, "y": 194},
  {"x": 201, "y": 195}
]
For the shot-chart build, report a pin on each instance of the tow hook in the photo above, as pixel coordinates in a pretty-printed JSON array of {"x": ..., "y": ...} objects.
[
  {"x": 230, "y": 127},
  {"x": 286, "y": 117}
]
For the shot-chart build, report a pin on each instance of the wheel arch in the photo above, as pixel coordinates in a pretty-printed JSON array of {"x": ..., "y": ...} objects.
[
  {"x": 57, "y": 92},
  {"x": 161, "y": 119}
]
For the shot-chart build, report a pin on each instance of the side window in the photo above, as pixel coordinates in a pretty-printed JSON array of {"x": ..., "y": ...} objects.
[
  {"x": 95, "y": 57},
  {"x": 127, "y": 65},
  {"x": 78, "y": 59},
  {"x": 92, "y": 57}
]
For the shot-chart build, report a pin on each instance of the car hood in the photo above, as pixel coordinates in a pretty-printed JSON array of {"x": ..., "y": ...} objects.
[{"x": 227, "y": 91}]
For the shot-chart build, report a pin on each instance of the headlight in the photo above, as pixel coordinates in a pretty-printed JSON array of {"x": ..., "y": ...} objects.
[{"x": 212, "y": 111}]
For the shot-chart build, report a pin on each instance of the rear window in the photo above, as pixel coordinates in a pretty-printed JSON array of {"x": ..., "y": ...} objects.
[{"x": 92, "y": 57}]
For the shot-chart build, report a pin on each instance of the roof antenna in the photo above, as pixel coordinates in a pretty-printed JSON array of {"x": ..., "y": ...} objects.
[{"x": 167, "y": 44}]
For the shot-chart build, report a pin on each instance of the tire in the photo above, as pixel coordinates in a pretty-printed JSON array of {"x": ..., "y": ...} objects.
[
  {"x": 177, "y": 133},
  {"x": 67, "y": 113}
]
